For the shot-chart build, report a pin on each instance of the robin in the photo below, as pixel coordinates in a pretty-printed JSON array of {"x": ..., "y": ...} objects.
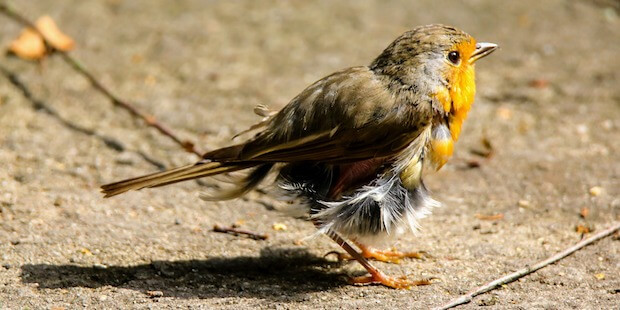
[{"x": 352, "y": 146}]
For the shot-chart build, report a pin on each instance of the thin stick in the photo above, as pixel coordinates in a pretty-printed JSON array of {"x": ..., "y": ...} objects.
[
  {"x": 463, "y": 299},
  {"x": 236, "y": 231},
  {"x": 150, "y": 120}
]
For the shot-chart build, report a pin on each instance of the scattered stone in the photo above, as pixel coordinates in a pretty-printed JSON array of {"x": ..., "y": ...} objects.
[
  {"x": 504, "y": 113},
  {"x": 58, "y": 201},
  {"x": 86, "y": 251},
  {"x": 100, "y": 266},
  {"x": 154, "y": 294},
  {"x": 489, "y": 301},
  {"x": 596, "y": 191},
  {"x": 524, "y": 203},
  {"x": 279, "y": 226},
  {"x": 125, "y": 158}
]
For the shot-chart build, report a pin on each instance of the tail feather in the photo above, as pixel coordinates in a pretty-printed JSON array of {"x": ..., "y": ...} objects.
[
  {"x": 250, "y": 181},
  {"x": 175, "y": 175}
]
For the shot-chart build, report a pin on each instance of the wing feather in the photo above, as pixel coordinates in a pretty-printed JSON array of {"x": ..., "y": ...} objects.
[{"x": 348, "y": 116}]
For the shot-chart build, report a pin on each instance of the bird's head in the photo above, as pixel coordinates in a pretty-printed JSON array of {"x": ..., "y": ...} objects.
[{"x": 437, "y": 61}]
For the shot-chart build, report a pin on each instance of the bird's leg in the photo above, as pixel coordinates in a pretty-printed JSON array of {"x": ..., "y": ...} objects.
[
  {"x": 387, "y": 256},
  {"x": 376, "y": 276}
]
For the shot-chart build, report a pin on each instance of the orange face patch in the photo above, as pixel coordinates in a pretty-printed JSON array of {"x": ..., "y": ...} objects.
[{"x": 462, "y": 81}]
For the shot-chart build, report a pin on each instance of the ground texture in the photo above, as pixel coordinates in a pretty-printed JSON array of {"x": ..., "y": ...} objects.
[{"x": 548, "y": 102}]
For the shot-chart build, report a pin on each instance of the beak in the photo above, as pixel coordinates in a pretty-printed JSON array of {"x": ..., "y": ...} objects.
[{"x": 482, "y": 49}]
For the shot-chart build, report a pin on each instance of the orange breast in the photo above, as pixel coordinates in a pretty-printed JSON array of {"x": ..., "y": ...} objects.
[
  {"x": 442, "y": 145},
  {"x": 456, "y": 101}
]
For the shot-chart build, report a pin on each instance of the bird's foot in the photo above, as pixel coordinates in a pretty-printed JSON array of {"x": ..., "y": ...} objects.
[
  {"x": 376, "y": 276},
  {"x": 387, "y": 256},
  {"x": 382, "y": 279}
]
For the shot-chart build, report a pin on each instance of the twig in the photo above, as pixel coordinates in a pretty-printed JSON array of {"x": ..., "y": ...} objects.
[
  {"x": 463, "y": 299},
  {"x": 236, "y": 231},
  {"x": 40, "y": 105},
  {"x": 150, "y": 120}
]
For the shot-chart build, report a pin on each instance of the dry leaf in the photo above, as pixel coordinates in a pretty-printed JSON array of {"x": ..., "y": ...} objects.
[
  {"x": 30, "y": 45},
  {"x": 539, "y": 83},
  {"x": 493, "y": 217},
  {"x": 583, "y": 229},
  {"x": 54, "y": 36},
  {"x": 600, "y": 276}
]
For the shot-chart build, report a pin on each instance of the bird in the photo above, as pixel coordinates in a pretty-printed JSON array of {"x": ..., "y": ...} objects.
[{"x": 352, "y": 148}]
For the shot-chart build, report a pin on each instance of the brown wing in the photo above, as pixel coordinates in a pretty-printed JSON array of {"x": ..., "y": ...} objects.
[{"x": 348, "y": 116}]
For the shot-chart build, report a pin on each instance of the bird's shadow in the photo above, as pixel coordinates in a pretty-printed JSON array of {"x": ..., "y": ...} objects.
[{"x": 279, "y": 274}]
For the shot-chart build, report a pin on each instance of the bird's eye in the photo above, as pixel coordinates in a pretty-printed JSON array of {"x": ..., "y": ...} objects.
[{"x": 454, "y": 57}]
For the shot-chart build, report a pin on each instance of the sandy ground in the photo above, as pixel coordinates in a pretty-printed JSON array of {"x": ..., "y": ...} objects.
[{"x": 548, "y": 102}]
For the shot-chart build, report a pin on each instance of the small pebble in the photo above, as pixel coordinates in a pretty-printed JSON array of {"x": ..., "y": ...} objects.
[
  {"x": 279, "y": 226},
  {"x": 596, "y": 191},
  {"x": 125, "y": 158},
  {"x": 582, "y": 129},
  {"x": 58, "y": 202},
  {"x": 154, "y": 294},
  {"x": 100, "y": 266},
  {"x": 524, "y": 203}
]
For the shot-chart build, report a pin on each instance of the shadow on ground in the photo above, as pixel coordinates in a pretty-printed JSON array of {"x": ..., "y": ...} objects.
[{"x": 275, "y": 274}]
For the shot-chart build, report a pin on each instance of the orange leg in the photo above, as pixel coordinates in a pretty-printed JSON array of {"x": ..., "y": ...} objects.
[
  {"x": 376, "y": 276},
  {"x": 392, "y": 256}
]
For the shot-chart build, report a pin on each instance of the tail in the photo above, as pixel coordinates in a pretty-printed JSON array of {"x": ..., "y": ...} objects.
[{"x": 198, "y": 170}]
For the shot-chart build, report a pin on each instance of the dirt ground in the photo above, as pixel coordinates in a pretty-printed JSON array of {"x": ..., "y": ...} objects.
[{"x": 548, "y": 102}]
